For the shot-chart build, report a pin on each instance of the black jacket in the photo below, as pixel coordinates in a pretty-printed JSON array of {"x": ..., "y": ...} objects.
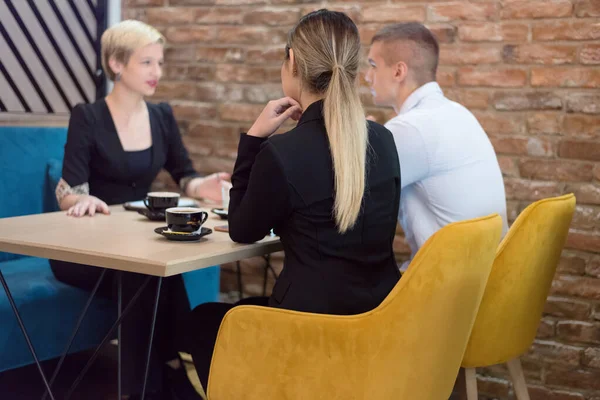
[
  {"x": 94, "y": 154},
  {"x": 286, "y": 182}
]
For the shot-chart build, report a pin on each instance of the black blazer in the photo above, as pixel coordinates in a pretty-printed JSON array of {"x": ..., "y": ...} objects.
[
  {"x": 286, "y": 182},
  {"x": 94, "y": 154}
]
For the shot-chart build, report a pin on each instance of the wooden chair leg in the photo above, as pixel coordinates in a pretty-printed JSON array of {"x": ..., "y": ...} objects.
[
  {"x": 471, "y": 379},
  {"x": 518, "y": 379}
]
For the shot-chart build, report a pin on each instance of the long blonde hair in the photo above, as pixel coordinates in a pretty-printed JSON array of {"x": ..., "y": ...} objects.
[{"x": 327, "y": 49}]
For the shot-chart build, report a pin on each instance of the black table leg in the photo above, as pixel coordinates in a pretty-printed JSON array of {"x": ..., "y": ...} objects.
[
  {"x": 156, "y": 300},
  {"x": 24, "y": 331},
  {"x": 119, "y": 310}
]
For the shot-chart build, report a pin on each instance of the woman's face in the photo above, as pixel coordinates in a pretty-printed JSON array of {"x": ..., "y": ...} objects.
[
  {"x": 143, "y": 71},
  {"x": 290, "y": 81}
]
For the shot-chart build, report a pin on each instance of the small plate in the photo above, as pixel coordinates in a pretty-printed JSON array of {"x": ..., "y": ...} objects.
[
  {"x": 221, "y": 212},
  {"x": 153, "y": 215},
  {"x": 181, "y": 236}
]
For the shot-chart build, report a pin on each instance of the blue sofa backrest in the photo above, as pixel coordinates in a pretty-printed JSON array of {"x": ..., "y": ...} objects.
[{"x": 24, "y": 156}]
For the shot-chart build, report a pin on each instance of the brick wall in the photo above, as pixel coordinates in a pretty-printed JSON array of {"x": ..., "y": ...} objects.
[{"x": 528, "y": 69}]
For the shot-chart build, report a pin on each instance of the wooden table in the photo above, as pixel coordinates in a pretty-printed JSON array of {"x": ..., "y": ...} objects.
[{"x": 123, "y": 241}]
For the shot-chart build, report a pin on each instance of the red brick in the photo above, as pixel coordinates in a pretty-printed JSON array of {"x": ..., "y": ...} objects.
[
  {"x": 241, "y": 73},
  {"x": 566, "y": 30},
  {"x": 210, "y": 164},
  {"x": 219, "y": 54},
  {"x": 462, "y": 11},
  {"x": 263, "y": 94},
  {"x": 533, "y": 146},
  {"x": 593, "y": 268},
  {"x": 584, "y": 126},
  {"x": 188, "y": 110},
  {"x": 565, "y": 77},
  {"x": 580, "y": 150},
  {"x": 555, "y": 353},
  {"x": 589, "y": 380},
  {"x": 493, "y": 32},
  {"x": 470, "y": 54},
  {"x": 174, "y": 54},
  {"x": 495, "y": 123},
  {"x": 239, "y": 2},
  {"x": 587, "y": 193},
  {"x": 579, "y": 331},
  {"x": 492, "y": 387},
  {"x": 134, "y": 13},
  {"x": 522, "y": 189},
  {"x": 251, "y": 35},
  {"x": 518, "y": 101},
  {"x": 216, "y": 92},
  {"x": 266, "y": 55},
  {"x": 586, "y": 217},
  {"x": 218, "y": 16},
  {"x": 545, "y": 123},
  {"x": 176, "y": 90},
  {"x": 556, "y": 170},
  {"x": 536, "y": 9},
  {"x": 445, "y": 77},
  {"x": 169, "y": 16},
  {"x": 597, "y": 172},
  {"x": 189, "y": 34},
  {"x": 142, "y": 3},
  {"x": 539, "y": 53},
  {"x": 472, "y": 99},
  {"x": 590, "y": 54},
  {"x": 191, "y": 2},
  {"x": 392, "y": 13},
  {"x": 274, "y": 17},
  {"x": 197, "y": 148},
  {"x": 587, "y": 8},
  {"x": 546, "y": 329},
  {"x": 542, "y": 393},
  {"x": 497, "y": 77},
  {"x": 508, "y": 168},
  {"x": 567, "y": 308},
  {"x": 240, "y": 112},
  {"x": 571, "y": 264},
  {"x": 587, "y": 103},
  {"x": 581, "y": 240},
  {"x": 367, "y": 32},
  {"x": 444, "y": 33},
  {"x": 212, "y": 130},
  {"x": 591, "y": 357}
]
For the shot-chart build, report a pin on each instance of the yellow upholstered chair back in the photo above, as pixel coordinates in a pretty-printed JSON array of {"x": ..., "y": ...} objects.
[
  {"x": 409, "y": 347},
  {"x": 521, "y": 277}
]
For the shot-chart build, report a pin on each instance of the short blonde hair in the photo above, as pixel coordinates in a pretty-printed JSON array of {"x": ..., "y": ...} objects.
[{"x": 121, "y": 40}]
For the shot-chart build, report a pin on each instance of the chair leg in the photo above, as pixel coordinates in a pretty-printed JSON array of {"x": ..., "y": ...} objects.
[
  {"x": 518, "y": 379},
  {"x": 471, "y": 378}
]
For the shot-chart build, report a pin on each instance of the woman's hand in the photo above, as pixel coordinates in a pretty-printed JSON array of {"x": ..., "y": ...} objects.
[
  {"x": 210, "y": 187},
  {"x": 275, "y": 113},
  {"x": 88, "y": 205}
]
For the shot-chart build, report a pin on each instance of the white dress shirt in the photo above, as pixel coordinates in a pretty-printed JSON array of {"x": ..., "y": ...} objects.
[{"x": 448, "y": 167}]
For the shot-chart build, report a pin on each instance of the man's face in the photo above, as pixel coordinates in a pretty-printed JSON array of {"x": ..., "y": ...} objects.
[{"x": 381, "y": 77}]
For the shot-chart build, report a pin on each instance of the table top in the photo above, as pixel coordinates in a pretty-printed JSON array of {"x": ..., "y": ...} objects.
[{"x": 124, "y": 240}]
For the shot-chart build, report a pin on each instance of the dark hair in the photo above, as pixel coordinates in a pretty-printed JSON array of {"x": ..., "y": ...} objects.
[{"x": 424, "y": 48}]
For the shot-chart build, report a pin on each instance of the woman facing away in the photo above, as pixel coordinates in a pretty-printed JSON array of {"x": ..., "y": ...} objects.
[
  {"x": 330, "y": 187},
  {"x": 115, "y": 149}
]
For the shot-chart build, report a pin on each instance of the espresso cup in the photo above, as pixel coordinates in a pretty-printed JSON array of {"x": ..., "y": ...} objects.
[
  {"x": 185, "y": 219},
  {"x": 160, "y": 201}
]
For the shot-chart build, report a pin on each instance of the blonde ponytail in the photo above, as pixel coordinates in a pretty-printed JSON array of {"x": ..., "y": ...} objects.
[{"x": 327, "y": 51}]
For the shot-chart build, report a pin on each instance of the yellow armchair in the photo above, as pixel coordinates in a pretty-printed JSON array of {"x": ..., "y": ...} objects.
[
  {"x": 516, "y": 292},
  {"x": 409, "y": 347}
]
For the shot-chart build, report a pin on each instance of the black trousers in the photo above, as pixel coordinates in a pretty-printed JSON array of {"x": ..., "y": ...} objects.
[
  {"x": 173, "y": 309},
  {"x": 203, "y": 327}
]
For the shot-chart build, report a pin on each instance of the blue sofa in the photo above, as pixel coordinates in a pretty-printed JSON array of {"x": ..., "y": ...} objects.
[{"x": 30, "y": 167}]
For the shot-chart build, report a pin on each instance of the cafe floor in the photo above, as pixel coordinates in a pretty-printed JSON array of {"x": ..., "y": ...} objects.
[{"x": 25, "y": 383}]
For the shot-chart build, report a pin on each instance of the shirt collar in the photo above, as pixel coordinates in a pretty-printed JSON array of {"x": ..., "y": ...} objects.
[
  {"x": 415, "y": 97},
  {"x": 312, "y": 112}
]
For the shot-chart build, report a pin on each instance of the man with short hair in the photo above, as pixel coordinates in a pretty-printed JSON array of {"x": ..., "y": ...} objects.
[{"x": 449, "y": 170}]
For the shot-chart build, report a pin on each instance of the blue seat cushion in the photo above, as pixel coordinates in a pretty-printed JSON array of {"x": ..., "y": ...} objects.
[{"x": 49, "y": 309}]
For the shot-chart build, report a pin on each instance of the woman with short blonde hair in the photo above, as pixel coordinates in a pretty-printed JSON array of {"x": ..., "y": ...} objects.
[{"x": 115, "y": 149}]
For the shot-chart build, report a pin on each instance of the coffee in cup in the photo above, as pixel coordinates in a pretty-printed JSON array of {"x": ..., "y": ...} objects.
[
  {"x": 185, "y": 219},
  {"x": 160, "y": 201}
]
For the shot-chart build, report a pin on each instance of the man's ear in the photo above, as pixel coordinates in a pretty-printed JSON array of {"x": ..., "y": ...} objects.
[{"x": 400, "y": 71}]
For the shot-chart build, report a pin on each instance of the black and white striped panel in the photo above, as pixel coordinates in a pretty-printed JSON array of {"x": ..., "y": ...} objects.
[{"x": 50, "y": 54}]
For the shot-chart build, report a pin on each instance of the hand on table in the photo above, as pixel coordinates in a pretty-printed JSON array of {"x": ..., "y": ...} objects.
[{"x": 88, "y": 205}]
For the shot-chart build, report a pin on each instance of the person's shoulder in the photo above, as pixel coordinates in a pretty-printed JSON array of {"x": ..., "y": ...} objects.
[
  {"x": 162, "y": 109},
  {"x": 87, "y": 113}
]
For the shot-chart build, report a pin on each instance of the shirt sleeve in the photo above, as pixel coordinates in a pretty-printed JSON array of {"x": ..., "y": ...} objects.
[
  {"x": 76, "y": 162},
  {"x": 259, "y": 199},
  {"x": 412, "y": 152},
  {"x": 178, "y": 163}
]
